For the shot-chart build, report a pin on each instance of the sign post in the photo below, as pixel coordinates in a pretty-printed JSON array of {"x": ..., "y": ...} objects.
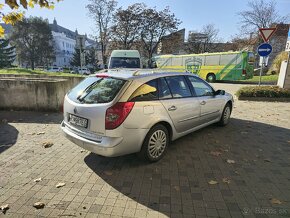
[{"x": 263, "y": 50}]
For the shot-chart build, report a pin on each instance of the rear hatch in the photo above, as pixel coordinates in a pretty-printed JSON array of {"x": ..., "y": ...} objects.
[{"x": 85, "y": 105}]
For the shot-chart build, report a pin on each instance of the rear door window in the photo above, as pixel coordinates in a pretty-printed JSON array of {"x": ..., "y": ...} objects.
[
  {"x": 164, "y": 91},
  {"x": 178, "y": 86},
  {"x": 146, "y": 92},
  {"x": 93, "y": 90}
]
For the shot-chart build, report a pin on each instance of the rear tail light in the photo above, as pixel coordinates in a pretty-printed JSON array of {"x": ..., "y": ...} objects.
[
  {"x": 244, "y": 72},
  {"x": 116, "y": 114}
]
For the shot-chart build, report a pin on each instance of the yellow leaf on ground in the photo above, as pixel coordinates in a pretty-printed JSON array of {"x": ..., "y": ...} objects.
[
  {"x": 61, "y": 184},
  {"x": 212, "y": 182},
  {"x": 47, "y": 144},
  {"x": 226, "y": 180},
  {"x": 231, "y": 161},
  {"x": 275, "y": 201},
  {"x": 215, "y": 153},
  {"x": 108, "y": 173},
  {"x": 176, "y": 188}
]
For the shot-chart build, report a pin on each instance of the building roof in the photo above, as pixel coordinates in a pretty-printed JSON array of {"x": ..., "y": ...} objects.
[{"x": 70, "y": 34}]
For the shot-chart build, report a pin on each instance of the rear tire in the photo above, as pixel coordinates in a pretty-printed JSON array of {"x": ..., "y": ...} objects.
[
  {"x": 211, "y": 78},
  {"x": 155, "y": 144},
  {"x": 225, "y": 118}
]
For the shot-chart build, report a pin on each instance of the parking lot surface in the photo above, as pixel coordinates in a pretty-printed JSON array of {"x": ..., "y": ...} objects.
[{"x": 241, "y": 170}]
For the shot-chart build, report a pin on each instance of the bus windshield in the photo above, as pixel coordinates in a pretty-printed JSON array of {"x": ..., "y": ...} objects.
[{"x": 124, "y": 62}]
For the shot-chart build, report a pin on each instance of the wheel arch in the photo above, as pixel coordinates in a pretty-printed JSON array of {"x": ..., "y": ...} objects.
[{"x": 168, "y": 126}]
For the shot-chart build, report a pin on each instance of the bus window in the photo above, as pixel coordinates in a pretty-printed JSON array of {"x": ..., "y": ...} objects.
[
  {"x": 212, "y": 60},
  {"x": 176, "y": 61},
  {"x": 229, "y": 59}
]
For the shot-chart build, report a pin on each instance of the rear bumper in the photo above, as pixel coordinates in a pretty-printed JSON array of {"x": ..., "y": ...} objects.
[{"x": 108, "y": 146}]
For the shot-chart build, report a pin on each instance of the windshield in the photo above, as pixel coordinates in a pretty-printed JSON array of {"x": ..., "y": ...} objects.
[
  {"x": 94, "y": 90},
  {"x": 124, "y": 62}
]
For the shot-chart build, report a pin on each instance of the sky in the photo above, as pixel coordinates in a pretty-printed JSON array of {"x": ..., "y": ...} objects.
[{"x": 194, "y": 14}]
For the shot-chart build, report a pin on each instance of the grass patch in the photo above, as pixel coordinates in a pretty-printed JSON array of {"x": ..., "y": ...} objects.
[
  {"x": 266, "y": 78},
  {"x": 263, "y": 91},
  {"x": 22, "y": 71}
]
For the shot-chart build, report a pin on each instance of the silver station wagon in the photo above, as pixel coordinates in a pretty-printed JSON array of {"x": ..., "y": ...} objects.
[{"x": 118, "y": 113}]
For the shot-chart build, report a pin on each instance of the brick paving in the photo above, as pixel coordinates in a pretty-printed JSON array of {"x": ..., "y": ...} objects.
[{"x": 257, "y": 139}]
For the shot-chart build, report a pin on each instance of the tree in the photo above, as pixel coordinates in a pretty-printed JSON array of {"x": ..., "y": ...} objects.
[
  {"x": 203, "y": 40},
  {"x": 260, "y": 14},
  {"x": 88, "y": 57},
  {"x": 92, "y": 58},
  {"x": 127, "y": 26},
  {"x": 14, "y": 15},
  {"x": 33, "y": 40},
  {"x": 155, "y": 25},
  {"x": 76, "y": 60},
  {"x": 7, "y": 55},
  {"x": 211, "y": 33},
  {"x": 102, "y": 12}
]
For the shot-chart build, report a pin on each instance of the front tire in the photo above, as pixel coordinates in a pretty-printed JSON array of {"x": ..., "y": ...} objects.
[
  {"x": 155, "y": 144},
  {"x": 225, "y": 118}
]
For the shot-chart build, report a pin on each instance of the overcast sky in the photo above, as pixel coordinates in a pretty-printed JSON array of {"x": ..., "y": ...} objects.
[{"x": 72, "y": 14}]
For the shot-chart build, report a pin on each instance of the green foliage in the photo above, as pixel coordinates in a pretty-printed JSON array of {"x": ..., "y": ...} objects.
[
  {"x": 263, "y": 91},
  {"x": 33, "y": 40},
  {"x": 22, "y": 71},
  {"x": 265, "y": 78},
  {"x": 7, "y": 55},
  {"x": 275, "y": 67},
  {"x": 90, "y": 58},
  {"x": 10, "y": 14}
]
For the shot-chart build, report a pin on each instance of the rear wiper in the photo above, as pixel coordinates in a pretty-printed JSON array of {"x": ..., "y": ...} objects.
[{"x": 82, "y": 96}]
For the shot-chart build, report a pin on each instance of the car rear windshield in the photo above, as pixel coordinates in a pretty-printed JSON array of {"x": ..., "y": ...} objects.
[
  {"x": 93, "y": 90},
  {"x": 124, "y": 62}
]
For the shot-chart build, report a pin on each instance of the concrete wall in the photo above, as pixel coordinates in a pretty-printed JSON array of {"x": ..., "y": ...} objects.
[{"x": 35, "y": 93}]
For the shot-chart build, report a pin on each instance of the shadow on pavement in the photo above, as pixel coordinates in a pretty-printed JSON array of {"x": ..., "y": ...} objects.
[
  {"x": 178, "y": 184},
  {"x": 31, "y": 117},
  {"x": 8, "y": 136}
]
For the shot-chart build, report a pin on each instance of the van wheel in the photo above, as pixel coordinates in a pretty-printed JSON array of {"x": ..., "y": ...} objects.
[
  {"x": 211, "y": 78},
  {"x": 155, "y": 144},
  {"x": 225, "y": 118}
]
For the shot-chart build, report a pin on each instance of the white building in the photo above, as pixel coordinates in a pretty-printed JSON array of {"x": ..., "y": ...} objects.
[{"x": 64, "y": 44}]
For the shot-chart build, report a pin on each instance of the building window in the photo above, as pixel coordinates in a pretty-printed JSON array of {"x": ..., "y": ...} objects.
[
  {"x": 64, "y": 60},
  {"x": 63, "y": 44}
]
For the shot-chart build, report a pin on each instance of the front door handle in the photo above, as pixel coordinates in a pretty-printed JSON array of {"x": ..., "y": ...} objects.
[
  {"x": 172, "y": 108},
  {"x": 203, "y": 102}
]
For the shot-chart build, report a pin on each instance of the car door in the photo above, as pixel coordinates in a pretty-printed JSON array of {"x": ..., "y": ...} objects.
[
  {"x": 211, "y": 105},
  {"x": 177, "y": 99}
]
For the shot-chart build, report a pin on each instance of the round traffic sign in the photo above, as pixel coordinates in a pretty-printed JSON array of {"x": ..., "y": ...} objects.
[{"x": 264, "y": 49}]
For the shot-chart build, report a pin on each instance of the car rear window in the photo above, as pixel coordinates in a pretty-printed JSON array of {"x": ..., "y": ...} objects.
[{"x": 93, "y": 90}]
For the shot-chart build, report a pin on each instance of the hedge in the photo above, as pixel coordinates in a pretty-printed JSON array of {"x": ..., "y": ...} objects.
[{"x": 263, "y": 91}]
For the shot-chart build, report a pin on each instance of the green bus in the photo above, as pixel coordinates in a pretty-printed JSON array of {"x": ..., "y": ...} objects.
[{"x": 211, "y": 66}]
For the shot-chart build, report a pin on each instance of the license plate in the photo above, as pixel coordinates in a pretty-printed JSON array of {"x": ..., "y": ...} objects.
[{"x": 78, "y": 121}]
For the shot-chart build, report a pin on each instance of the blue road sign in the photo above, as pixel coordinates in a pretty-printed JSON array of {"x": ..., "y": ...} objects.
[{"x": 264, "y": 49}]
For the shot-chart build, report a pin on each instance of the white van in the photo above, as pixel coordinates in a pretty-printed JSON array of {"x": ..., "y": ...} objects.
[{"x": 124, "y": 59}]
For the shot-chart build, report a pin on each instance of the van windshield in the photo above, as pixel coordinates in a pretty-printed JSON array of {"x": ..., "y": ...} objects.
[
  {"x": 124, "y": 62},
  {"x": 94, "y": 90}
]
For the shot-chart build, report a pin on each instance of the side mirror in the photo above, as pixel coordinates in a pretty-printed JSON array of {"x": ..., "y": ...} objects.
[{"x": 220, "y": 92}]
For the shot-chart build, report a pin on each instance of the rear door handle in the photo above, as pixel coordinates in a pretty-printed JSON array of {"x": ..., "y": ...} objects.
[
  {"x": 203, "y": 102},
  {"x": 172, "y": 108}
]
